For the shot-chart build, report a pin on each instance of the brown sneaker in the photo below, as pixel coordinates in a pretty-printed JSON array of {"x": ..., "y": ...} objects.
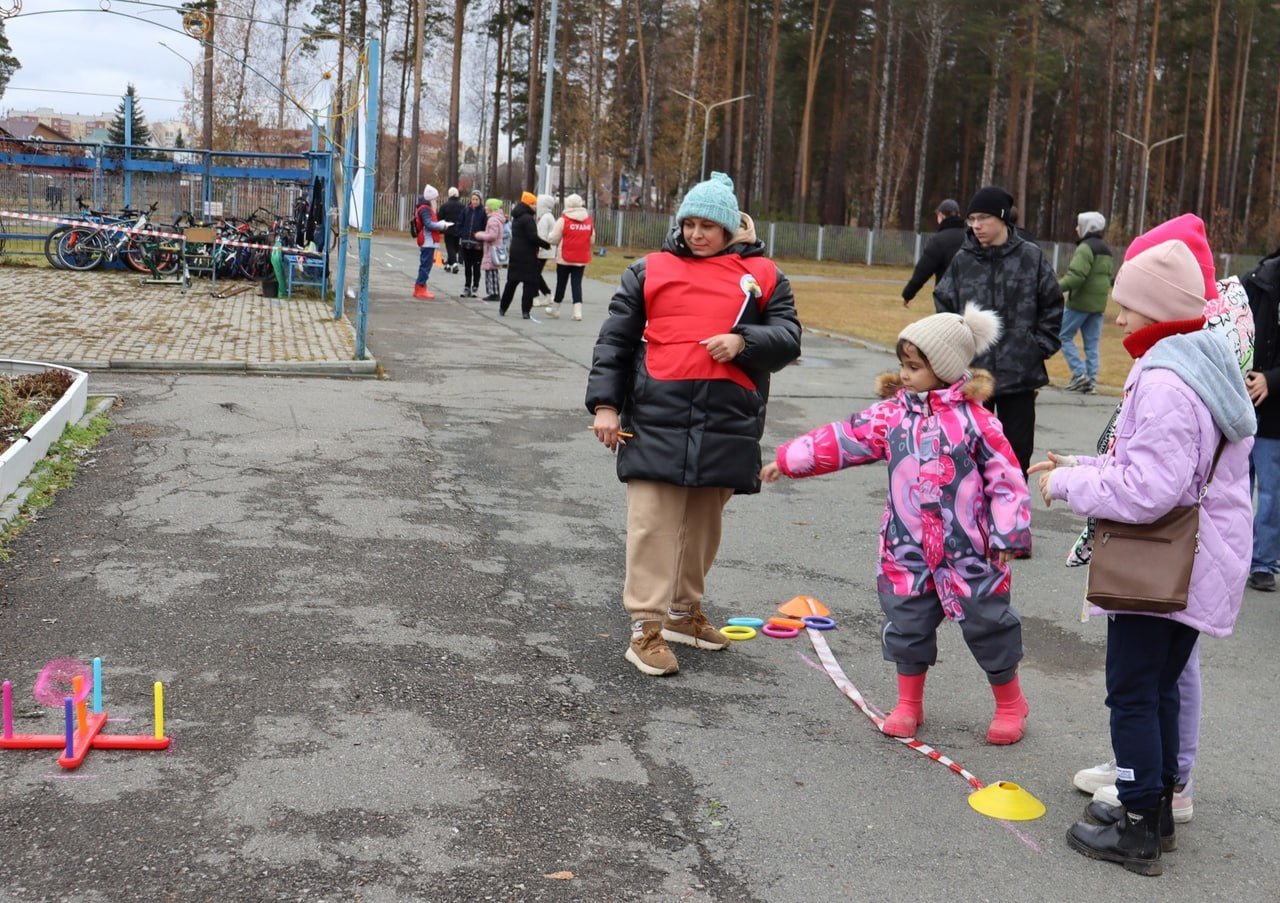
[
  {"x": 649, "y": 651},
  {"x": 693, "y": 630}
]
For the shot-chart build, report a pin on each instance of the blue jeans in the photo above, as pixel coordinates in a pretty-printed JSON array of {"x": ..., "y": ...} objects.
[
  {"x": 1145, "y": 658},
  {"x": 426, "y": 257},
  {"x": 1264, "y": 473},
  {"x": 1090, "y": 329}
]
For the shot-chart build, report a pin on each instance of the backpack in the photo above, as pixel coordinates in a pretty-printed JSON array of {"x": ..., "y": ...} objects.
[{"x": 415, "y": 224}]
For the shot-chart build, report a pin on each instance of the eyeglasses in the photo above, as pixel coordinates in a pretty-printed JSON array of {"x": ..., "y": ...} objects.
[{"x": 979, "y": 218}]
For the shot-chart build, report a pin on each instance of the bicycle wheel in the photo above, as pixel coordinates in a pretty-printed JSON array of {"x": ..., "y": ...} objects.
[
  {"x": 132, "y": 254},
  {"x": 82, "y": 249},
  {"x": 252, "y": 263},
  {"x": 142, "y": 255},
  {"x": 51, "y": 245}
]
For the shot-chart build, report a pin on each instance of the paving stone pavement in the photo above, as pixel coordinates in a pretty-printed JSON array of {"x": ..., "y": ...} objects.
[{"x": 100, "y": 320}]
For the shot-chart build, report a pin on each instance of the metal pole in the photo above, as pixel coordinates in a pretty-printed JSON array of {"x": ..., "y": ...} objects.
[
  {"x": 366, "y": 216},
  {"x": 1146, "y": 167},
  {"x": 706, "y": 128},
  {"x": 706, "y": 122},
  {"x": 1146, "y": 172},
  {"x": 544, "y": 146}
]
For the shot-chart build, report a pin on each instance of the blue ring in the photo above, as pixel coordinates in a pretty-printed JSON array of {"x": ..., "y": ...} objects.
[
  {"x": 745, "y": 622},
  {"x": 818, "y": 622}
]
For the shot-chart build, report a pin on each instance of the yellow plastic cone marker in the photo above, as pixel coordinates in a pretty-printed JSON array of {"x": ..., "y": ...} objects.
[
  {"x": 1005, "y": 799},
  {"x": 804, "y": 605}
]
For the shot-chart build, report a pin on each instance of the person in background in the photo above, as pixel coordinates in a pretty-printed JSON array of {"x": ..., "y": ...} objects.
[
  {"x": 1086, "y": 285},
  {"x": 492, "y": 237},
  {"x": 999, "y": 271},
  {"x": 524, "y": 268},
  {"x": 1182, "y": 437},
  {"x": 428, "y": 238},
  {"x": 572, "y": 238},
  {"x": 1263, "y": 287},
  {"x": 474, "y": 219},
  {"x": 545, "y": 210},
  {"x": 679, "y": 386},
  {"x": 452, "y": 210},
  {"x": 938, "y": 251},
  {"x": 1024, "y": 234}
]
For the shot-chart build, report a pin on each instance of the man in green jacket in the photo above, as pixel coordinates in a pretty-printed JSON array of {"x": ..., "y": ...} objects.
[{"x": 1086, "y": 285}]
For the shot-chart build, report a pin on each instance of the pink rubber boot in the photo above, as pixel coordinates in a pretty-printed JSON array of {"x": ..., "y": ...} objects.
[
  {"x": 1011, "y": 713},
  {"x": 908, "y": 714}
]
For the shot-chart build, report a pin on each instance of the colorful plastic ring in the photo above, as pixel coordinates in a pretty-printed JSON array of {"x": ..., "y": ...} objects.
[
  {"x": 787, "y": 622},
  {"x": 738, "y": 632},
  {"x": 745, "y": 622},
  {"x": 780, "y": 633},
  {"x": 818, "y": 622}
]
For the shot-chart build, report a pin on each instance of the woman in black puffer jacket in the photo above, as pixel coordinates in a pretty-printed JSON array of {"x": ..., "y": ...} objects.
[
  {"x": 523, "y": 267},
  {"x": 679, "y": 382}
]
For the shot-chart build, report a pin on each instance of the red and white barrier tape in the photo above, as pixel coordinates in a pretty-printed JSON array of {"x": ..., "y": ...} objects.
[
  {"x": 122, "y": 227},
  {"x": 837, "y": 675}
]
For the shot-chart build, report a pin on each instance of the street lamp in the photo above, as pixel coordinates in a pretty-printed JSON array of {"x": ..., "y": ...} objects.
[
  {"x": 193, "y": 83},
  {"x": 1146, "y": 166},
  {"x": 706, "y": 122}
]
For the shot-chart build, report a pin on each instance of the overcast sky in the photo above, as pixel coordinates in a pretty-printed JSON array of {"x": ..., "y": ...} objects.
[{"x": 72, "y": 57}]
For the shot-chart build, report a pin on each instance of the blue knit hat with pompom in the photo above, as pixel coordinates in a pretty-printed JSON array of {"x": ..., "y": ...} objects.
[{"x": 713, "y": 200}]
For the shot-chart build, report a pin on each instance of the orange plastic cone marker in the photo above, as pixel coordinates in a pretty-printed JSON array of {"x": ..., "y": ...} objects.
[{"x": 804, "y": 605}]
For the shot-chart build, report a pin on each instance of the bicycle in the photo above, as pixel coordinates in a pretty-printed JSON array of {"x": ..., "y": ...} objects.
[{"x": 84, "y": 248}]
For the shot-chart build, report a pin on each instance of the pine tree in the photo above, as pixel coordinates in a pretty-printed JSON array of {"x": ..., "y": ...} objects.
[
  {"x": 8, "y": 62},
  {"x": 141, "y": 133}
]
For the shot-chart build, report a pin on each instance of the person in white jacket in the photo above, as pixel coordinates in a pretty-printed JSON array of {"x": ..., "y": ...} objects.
[
  {"x": 572, "y": 238},
  {"x": 545, "y": 211}
]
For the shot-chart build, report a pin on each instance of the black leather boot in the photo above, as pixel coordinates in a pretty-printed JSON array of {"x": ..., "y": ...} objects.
[
  {"x": 1133, "y": 841},
  {"x": 1100, "y": 813}
]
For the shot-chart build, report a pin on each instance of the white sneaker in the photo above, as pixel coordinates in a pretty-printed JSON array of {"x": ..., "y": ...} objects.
[
  {"x": 1090, "y": 779},
  {"x": 1182, "y": 807},
  {"x": 553, "y": 311},
  {"x": 1109, "y": 795}
]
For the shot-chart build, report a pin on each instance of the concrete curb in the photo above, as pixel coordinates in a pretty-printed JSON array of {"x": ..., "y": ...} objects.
[{"x": 13, "y": 505}]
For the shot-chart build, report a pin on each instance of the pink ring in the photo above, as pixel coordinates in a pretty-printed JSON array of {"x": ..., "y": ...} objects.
[{"x": 780, "y": 633}]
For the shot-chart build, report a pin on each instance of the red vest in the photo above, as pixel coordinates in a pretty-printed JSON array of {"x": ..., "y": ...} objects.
[
  {"x": 688, "y": 299},
  {"x": 575, "y": 241}
]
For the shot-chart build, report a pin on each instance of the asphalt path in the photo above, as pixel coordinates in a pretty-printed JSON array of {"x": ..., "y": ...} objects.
[{"x": 387, "y": 617}]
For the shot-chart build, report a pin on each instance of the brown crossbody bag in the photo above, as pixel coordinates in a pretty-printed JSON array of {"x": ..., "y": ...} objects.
[{"x": 1147, "y": 567}]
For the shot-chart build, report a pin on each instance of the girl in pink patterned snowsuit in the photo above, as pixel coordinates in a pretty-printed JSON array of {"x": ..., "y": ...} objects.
[{"x": 957, "y": 511}]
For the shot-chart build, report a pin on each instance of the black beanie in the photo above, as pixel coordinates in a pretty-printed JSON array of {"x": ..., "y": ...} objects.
[{"x": 991, "y": 199}]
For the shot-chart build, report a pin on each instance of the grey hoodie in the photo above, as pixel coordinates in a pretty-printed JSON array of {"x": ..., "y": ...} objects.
[{"x": 1205, "y": 361}]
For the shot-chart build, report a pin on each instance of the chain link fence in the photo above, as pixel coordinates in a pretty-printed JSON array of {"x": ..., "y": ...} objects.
[{"x": 804, "y": 241}]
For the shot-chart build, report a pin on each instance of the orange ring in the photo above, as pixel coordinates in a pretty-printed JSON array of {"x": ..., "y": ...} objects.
[{"x": 787, "y": 622}]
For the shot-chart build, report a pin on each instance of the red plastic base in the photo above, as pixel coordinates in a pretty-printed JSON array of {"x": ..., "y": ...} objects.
[{"x": 92, "y": 738}]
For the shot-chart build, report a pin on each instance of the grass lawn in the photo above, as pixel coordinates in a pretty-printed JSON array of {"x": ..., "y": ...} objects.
[{"x": 866, "y": 303}]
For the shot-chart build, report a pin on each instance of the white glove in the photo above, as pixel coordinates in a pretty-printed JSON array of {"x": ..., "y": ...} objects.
[{"x": 447, "y": 224}]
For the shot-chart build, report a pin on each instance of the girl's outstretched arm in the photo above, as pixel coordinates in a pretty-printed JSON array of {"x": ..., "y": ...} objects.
[{"x": 846, "y": 443}]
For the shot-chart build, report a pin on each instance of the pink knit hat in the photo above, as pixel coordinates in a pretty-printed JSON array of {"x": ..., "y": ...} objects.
[
  {"x": 1161, "y": 283},
  {"x": 1188, "y": 229}
]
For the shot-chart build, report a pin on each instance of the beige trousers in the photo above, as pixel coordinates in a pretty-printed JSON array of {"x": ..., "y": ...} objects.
[{"x": 673, "y": 534}]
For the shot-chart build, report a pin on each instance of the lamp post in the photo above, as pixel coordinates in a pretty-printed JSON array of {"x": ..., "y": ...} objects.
[
  {"x": 544, "y": 143},
  {"x": 1146, "y": 166},
  {"x": 193, "y": 83},
  {"x": 706, "y": 122}
]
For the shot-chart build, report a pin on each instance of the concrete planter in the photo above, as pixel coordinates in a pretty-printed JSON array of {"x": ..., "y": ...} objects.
[{"x": 17, "y": 462}]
